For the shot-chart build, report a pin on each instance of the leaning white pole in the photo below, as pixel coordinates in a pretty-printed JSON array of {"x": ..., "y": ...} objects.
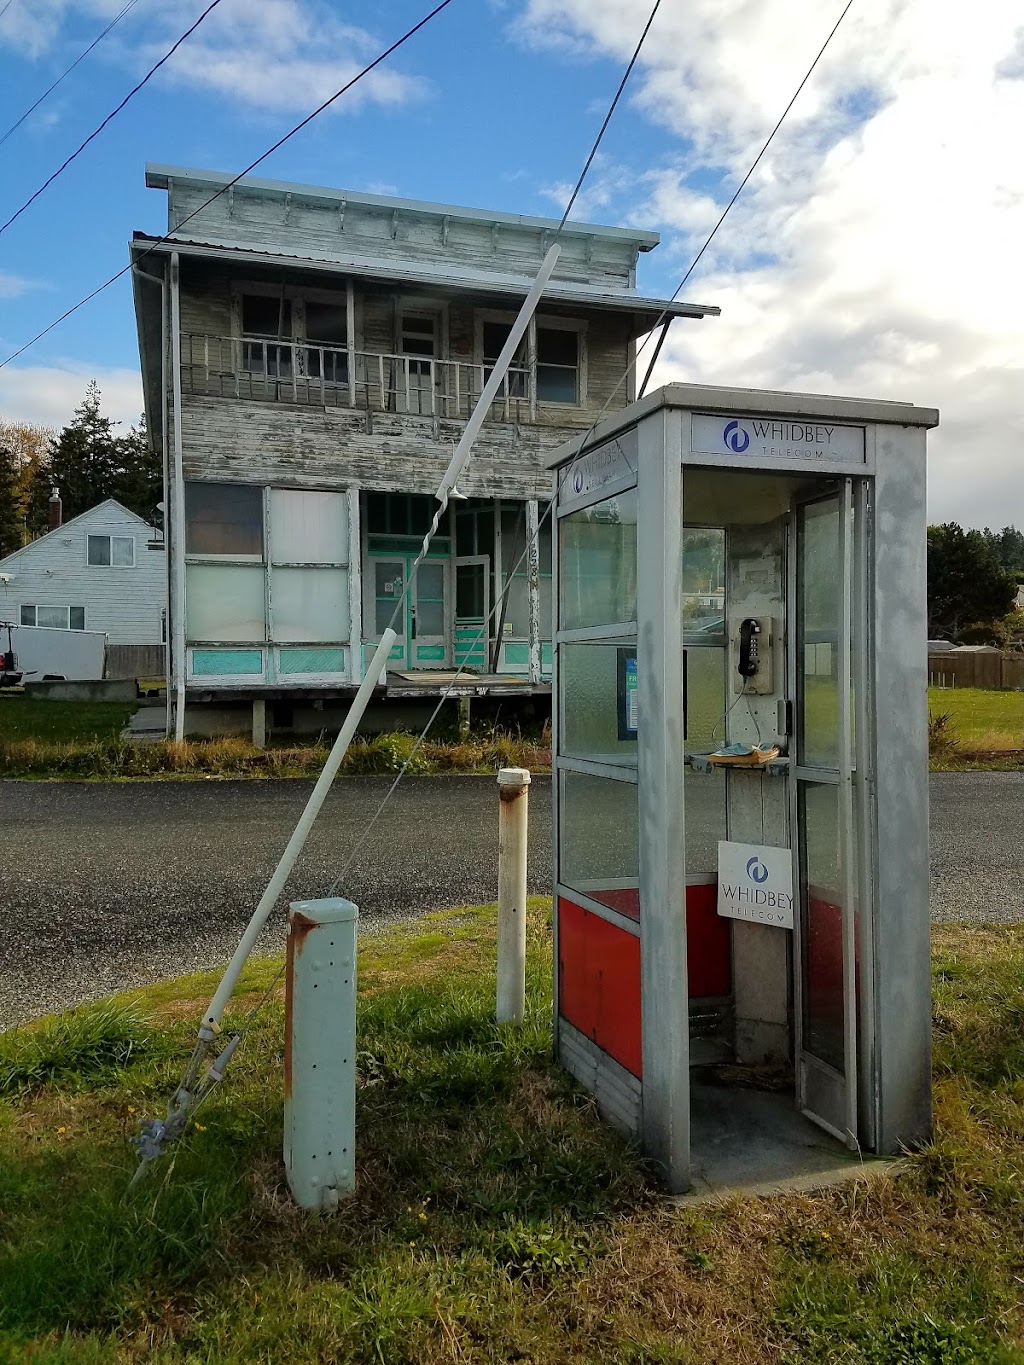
[
  {"x": 513, "y": 793},
  {"x": 508, "y": 351},
  {"x": 211, "y": 1020}
]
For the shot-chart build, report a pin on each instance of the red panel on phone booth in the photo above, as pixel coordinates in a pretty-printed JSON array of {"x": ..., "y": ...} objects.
[
  {"x": 599, "y": 982},
  {"x": 708, "y": 945}
]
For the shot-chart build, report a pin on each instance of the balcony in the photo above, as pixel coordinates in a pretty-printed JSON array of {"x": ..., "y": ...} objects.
[{"x": 330, "y": 377}]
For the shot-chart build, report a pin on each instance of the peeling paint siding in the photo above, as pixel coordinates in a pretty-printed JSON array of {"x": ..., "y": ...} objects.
[
  {"x": 53, "y": 571},
  {"x": 237, "y": 440},
  {"x": 315, "y": 229}
]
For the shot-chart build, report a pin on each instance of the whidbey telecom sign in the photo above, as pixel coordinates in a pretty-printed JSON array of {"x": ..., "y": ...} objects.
[
  {"x": 769, "y": 438},
  {"x": 755, "y": 883}
]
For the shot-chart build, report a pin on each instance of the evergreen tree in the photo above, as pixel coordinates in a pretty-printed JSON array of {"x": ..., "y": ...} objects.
[
  {"x": 83, "y": 464},
  {"x": 140, "y": 478},
  {"x": 967, "y": 584},
  {"x": 10, "y": 502}
]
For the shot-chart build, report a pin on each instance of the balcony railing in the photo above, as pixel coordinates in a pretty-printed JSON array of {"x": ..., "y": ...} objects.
[{"x": 327, "y": 376}]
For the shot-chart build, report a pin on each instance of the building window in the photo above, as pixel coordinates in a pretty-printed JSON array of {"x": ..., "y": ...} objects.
[
  {"x": 116, "y": 552},
  {"x": 327, "y": 341},
  {"x": 266, "y": 324},
  {"x": 495, "y": 334},
  {"x": 558, "y": 365},
  {"x": 224, "y": 519},
  {"x": 55, "y": 618}
]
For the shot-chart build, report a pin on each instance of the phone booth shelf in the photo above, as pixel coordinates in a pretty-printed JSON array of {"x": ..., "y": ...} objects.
[{"x": 741, "y": 804}]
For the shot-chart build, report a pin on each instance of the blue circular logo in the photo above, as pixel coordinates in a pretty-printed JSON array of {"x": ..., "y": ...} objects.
[
  {"x": 735, "y": 437},
  {"x": 756, "y": 870},
  {"x": 577, "y": 481}
]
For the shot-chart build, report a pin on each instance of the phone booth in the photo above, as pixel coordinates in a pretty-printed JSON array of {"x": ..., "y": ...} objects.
[{"x": 741, "y": 802}]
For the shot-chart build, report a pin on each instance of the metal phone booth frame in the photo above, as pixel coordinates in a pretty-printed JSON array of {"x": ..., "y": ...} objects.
[{"x": 732, "y": 1049}]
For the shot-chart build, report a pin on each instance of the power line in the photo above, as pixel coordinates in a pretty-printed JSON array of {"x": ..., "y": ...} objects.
[
  {"x": 234, "y": 181},
  {"x": 608, "y": 117},
  {"x": 81, "y": 57},
  {"x": 6, "y": 8},
  {"x": 113, "y": 114},
  {"x": 736, "y": 194}
]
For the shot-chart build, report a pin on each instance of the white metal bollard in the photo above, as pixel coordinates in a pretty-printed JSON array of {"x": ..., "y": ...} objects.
[
  {"x": 320, "y": 1052},
  {"x": 513, "y": 805}
]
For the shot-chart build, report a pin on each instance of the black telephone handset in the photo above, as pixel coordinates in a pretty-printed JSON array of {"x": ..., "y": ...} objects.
[{"x": 748, "y": 661}]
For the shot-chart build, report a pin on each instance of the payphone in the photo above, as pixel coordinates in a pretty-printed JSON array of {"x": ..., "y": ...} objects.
[{"x": 741, "y": 881}]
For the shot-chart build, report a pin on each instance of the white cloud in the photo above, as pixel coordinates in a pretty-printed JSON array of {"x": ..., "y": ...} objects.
[
  {"x": 273, "y": 55},
  {"x": 876, "y": 250},
  {"x": 49, "y": 394},
  {"x": 13, "y": 286}
]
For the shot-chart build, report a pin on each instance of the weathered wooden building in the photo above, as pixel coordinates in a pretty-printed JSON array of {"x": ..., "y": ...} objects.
[{"x": 309, "y": 359}]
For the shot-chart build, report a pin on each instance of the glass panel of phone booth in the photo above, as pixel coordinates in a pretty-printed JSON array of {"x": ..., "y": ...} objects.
[{"x": 826, "y": 1044}]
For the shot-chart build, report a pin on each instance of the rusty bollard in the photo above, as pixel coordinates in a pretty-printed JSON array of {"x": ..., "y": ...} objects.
[{"x": 513, "y": 794}]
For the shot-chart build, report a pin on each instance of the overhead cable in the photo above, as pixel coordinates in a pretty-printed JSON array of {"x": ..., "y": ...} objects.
[
  {"x": 234, "y": 181},
  {"x": 664, "y": 318},
  {"x": 67, "y": 72},
  {"x": 112, "y": 115},
  {"x": 736, "y": 194}
]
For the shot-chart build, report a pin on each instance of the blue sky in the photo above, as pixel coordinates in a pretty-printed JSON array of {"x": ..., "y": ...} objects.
[{"x": 834, "y": 272}]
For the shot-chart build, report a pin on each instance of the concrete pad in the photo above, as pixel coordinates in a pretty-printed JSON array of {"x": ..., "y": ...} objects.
[
  {"x": 147, "y": 725},
  {"x": 755, "y": 1142}
]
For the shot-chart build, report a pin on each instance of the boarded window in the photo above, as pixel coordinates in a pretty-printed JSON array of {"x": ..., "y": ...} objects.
[
  {"x": 225, "y": 602},
  {"x": 308, "y": 527},
  {"x": 223, "y": 519}
]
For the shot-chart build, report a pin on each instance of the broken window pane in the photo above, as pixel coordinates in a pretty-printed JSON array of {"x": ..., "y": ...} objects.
[{"x": 266, "y": 318}]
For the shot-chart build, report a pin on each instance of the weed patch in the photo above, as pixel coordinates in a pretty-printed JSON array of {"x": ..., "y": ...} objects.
[{"x": 495, "y": 1217}]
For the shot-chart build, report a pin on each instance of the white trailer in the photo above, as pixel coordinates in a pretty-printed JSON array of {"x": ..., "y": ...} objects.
[{"x": 42, "y": 651}]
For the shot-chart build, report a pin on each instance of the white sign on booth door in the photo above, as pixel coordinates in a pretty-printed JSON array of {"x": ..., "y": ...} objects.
[{"x": 755, "y": 883}]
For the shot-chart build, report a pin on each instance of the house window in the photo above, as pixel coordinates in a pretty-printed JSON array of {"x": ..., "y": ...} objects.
[
  {"x": 56, "y": 618},
  {"x": 327, "y": 335},
  {"x": 224, "y": 519},
  {"x": 558, "y": 365},
  {"x": 116, "y": 552},
  {"x": 495, "y": 334},
  {"x": 266, "y": 322}
]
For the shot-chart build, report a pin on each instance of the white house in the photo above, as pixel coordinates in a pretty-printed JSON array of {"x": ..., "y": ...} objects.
[{"x": 100, "y": 571}]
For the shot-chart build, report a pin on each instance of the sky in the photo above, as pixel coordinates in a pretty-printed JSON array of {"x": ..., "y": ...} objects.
[{"x": 876, "y": 251}]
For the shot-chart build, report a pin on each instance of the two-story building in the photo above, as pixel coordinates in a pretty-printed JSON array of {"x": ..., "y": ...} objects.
[{"x": 310, "y": 357}]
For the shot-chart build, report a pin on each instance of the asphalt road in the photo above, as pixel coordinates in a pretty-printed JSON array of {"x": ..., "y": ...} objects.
[{"x": 105, "y": 885}]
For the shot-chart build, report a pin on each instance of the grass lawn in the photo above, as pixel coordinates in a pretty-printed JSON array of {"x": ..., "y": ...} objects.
[
  {"x": 55, "y": 722},
  {"x": 496, "y": 1219},
  {"x": 981, "y": 719}
]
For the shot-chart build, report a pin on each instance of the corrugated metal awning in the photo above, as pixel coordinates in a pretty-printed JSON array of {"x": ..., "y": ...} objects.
[{"x": 417, "y": 273}]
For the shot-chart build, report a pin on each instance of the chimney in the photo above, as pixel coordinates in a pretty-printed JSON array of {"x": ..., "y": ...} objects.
[{"x": 56, "y": 510}]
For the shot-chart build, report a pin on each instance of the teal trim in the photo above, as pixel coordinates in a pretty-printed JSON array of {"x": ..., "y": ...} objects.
[
  {"x": 546, "y": 655},
  {"x": 432, "y": 653},
  {"x": 207, "y": 663},
  {"x": 310, "y": 661},
  {"x": 517, "y": 656}
]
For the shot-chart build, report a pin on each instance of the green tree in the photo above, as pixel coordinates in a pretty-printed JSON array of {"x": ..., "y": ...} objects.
[
  {"x": 139, "y": 484},
  {"x": 10, "y": 502},
  {"x": 83, "y": 464},
  {"x": 968, "y": 587}
]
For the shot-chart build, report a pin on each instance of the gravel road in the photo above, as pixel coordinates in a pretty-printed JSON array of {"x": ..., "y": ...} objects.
[{"x": 104, "y": 885}]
